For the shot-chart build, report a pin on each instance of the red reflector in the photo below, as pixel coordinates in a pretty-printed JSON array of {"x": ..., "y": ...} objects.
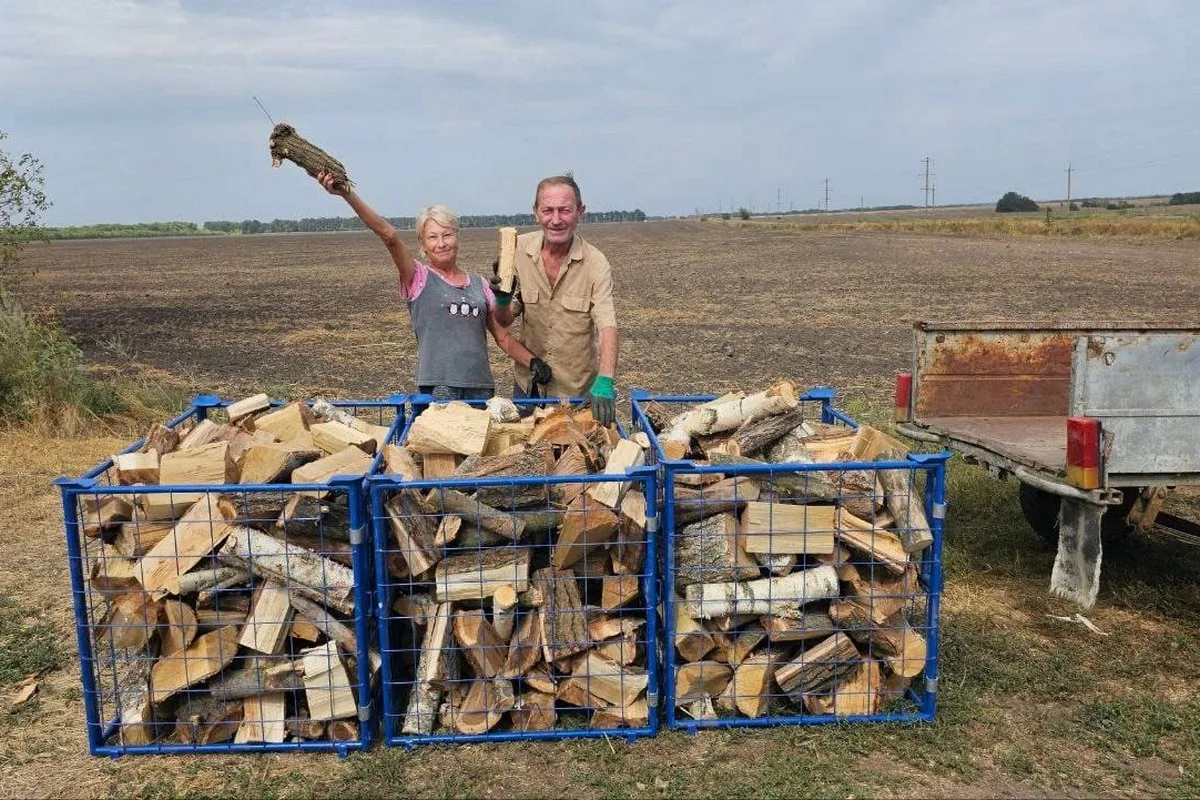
[
  {"x": 1083, "y": 452},
  {"x": 903, "y": 396}
]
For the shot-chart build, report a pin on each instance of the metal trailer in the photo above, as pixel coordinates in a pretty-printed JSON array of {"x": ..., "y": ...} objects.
[
  {"x": 402, "y": 636},
  {"x": 112, "y": 673},
  {"x": 1096, "y": 421},
  {"x": 846, "y": 697}
]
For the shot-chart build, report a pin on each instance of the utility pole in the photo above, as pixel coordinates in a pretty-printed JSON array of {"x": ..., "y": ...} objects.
[
  {"x": 928, "y": 163},
  {"x": 778, "y": 199},
  {"x": 827, "y": 195},
  {"x": 933, "y": 189},
  {"x": 862, "y": 205},
  {"x": 1069, "y": 170}
]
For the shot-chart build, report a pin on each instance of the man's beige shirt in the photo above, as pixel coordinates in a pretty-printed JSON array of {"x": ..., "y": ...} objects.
[{"x": 560, "y": 322}]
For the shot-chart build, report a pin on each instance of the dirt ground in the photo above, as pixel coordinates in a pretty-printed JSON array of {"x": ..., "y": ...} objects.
[
  {"x": 1029, "y": 706},
  {"x": 737, "y": 307}
]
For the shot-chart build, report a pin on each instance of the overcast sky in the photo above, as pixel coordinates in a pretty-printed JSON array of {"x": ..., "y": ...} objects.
[{"x": 142, "y": 111}]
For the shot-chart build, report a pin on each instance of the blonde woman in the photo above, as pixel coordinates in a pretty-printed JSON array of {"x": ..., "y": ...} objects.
[{"x": 451, "y": 309}]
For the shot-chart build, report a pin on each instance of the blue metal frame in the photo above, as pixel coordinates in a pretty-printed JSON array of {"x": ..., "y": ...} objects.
[
  {"x": 72, "y": 489},
  {"x": 381, "y": 485},
  {"x": 923, "y": 697}
]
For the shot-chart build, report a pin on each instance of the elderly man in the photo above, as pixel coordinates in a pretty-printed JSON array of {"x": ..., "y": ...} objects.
[{"x": 563, "y": 290}]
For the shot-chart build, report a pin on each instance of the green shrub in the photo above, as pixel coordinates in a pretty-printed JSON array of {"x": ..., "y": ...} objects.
[
  {"x": 41, "y": 369},
  {"x": 744, "y": 213},
  {"x": 1011, "y": 201},
  {"x": 1118, "y": 205},
  {"x": 1184, "y": 199}
]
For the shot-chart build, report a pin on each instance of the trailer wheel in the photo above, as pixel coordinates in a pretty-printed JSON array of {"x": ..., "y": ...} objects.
[{"x": 1041, "y": 512}]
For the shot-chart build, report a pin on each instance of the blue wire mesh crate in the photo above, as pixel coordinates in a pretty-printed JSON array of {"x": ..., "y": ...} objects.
[
  {"x": 801, "y": 580},
  {"x": 517, "y": 607},
  {"x": 227, "y": 617}
]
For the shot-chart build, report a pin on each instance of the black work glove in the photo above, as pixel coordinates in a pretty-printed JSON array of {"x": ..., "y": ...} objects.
[
  {"x": 603, "y": 400},
  {"x": 539, "y": 371},
  {"x": 502, "y": 298}
]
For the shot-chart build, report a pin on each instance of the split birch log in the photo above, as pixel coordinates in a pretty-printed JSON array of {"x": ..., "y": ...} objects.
[
  {"x": 104, "y": 511},
  {"x": 478, "y": 641},
  {"x": 137, "y": 468},
  {"x": 752, "y": 684},
  {"x": 525, "y": 648},
  {"x": 437, "y": 655},
  {"x": 248, "y": 406},
  {"x": 264, "y": 719},
  {"x": 397, "y": 460},
  {"x": 285, "y": 143},
  {"x": 299, "y": 569},
  {"x": 137, "y": 719},
  {"x": 285, "y": 423},
  {"x": 451, "y": 428},
  {"x": 883, "y": 546},
  {"x": 729, "y": 415},
  {"x": 203, "y": 658},
  {"x": 609, "y": 681},
  {"x": 700, "y": 679},
  {"x": 625, "y": 456},
  {"x": 774, "y": 528},
  {"x": 628, "y": 550},
  {"x": 269, "y": 463},
  {"x": 905, "y": 507},
  {"x": 337, "y": 630},
  {"x": 618, "y": 590},
  {"x": 269, "y": 620},
  {"x": 811, "y": 624},
  {"x": 573, "y": 461},
  {"x": 205, "y": 432},
  {"x": 742, "y": 645},
  {"x": 160, "y": 439},
  {"x": 506, "y": 264},
  {"x": 350, "y": 461},
  {"x": 327, "y": 687},
  {"x": 333, "y": 437},
  {"x": 201, "y": 579},
  {"x": 198, "y": 532},
  {"x": 414, "y": 526},
  {"x": 708, "y": 551},
  {"x": 586, "y": 525},
  {"x": 904, "y": 650},
  {"x": 476, "y": 575},
  {"x": 780, "y": 597},
  {"x": 692, "y": 640},
  {"x": 179, "y": 627}
]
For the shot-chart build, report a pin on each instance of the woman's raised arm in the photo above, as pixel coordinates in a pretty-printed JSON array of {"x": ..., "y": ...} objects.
[{"x": 382, "y": 228}]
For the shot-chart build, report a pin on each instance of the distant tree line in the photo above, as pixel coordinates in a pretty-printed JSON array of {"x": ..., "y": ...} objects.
[
  {"x": 1184, "y": 199},
  {"x": 324, "y": 224},
  {"x": 125, "y": 231},
  {"x": 306, "y": 225}
]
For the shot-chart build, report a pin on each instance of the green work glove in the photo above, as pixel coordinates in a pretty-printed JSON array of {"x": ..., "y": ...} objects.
[
  {"x": 603, "y": 400},
  {"x": 502, "y": 298}
]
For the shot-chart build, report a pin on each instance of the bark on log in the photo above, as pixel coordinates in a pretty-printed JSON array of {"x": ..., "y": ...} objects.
[
  {"x": 525, "y": 648},
  {"x": 708, "y": 551},
  {"x": 260, "y": 677},
  {"x": 532, "y": 461},
  {"x": 437, "y": 656},
  {"x": 906, "y": 508},
  {"x": 564, "y": 622},
  {"x": 724, "y": 416},
  {"x": 448, "y": 501},
  {"x": 754, "y": 437},
  {"x": 780, "y": 597},
  {"x": 475, "y": 575},
  {"x": 205, "y": 720},
  {"x": 804, "y": 486},
  {"x": 300, "y": 570},
  {"x": 730, "y": 494},
  {"x": 820, "y": 666},
  {"x": 285, "y": 143}
]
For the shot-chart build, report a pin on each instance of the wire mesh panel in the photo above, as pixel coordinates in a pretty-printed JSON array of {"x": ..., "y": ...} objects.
[
  {"x": 214, "y": 614},
  {"x": 515, "y": 591},
  {"x": 801, "y": 574}
]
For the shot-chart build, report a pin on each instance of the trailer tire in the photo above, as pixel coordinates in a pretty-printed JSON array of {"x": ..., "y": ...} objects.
[{"x": 1041, "y": 512}]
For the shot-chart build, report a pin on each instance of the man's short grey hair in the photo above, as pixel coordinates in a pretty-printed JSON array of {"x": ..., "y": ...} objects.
[{"x": 438, "y": 213}]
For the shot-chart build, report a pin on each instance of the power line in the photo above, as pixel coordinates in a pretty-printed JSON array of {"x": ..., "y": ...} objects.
[{"x": 928, "y": 162}]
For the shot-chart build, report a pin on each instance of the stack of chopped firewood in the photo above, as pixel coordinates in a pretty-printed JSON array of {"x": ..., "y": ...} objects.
[
  {"x": 226, "y": 615},
  {"x": 522, "y": 605},
  {"x": 796, "y": 592}
]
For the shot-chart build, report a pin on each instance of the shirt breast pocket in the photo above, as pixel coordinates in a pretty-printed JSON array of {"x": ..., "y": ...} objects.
[{"x": 575, "y": 315}]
